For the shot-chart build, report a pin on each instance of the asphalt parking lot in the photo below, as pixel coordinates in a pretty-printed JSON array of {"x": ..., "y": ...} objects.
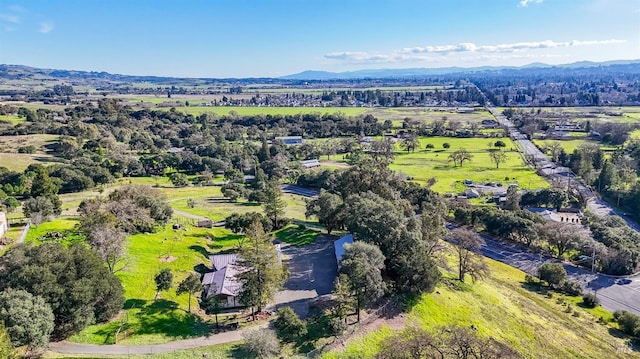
[{"x": 312, "y": 270}]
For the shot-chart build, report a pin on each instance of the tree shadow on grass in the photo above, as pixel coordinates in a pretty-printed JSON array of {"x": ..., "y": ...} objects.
[
  {"x": 134, "y": 303},
  {"x": 201, "y": 268},
  {"x": 200, "y": 249},
  {"x": 249, "y": 204},
  {"x": 159, "y": 306},
  {"x": 171, "y": 322}
]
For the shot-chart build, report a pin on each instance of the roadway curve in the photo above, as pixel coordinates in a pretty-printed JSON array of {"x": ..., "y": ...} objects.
[{"x": 612, "y": 296}]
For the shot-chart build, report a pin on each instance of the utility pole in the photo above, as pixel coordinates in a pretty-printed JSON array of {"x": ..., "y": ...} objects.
[{"x": 593, "y": 259}]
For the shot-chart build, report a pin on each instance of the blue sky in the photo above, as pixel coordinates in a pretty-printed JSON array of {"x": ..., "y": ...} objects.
[{"x": 242, "y": 38}]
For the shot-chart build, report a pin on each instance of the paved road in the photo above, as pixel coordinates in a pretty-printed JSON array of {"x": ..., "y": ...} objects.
[
  {"x": 92, "y": 349},
  {"x": 557, "y": 174},
  {"x": 612, "y": 296}
]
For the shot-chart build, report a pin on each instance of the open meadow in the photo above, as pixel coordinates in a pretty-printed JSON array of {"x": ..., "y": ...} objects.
[
  {"x": 504, "y": 308},
  {"x": 570, "y": 145},
  {"x": 424, "y": 164}
]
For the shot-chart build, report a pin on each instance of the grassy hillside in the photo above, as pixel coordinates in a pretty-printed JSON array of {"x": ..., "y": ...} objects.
[{"x": 501, "y": 307}]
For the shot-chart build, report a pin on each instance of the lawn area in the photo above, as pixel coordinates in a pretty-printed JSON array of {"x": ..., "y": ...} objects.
[
  {"x": 501, "y": 307},
  {"x": 297, "y": 236},
  {"x": 145, "y": 320},
  {"x": 63, "y": 225},
  {"x": 424, "y": 164}
]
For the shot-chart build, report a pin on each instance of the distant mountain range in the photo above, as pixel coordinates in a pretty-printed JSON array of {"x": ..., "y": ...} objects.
[
  {"x": 21, "y": 72},
  {"x": 421, "y": 72}
]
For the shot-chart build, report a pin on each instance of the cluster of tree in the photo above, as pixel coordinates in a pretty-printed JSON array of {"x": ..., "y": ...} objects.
[
  {"x": 518, "y": 225},
  {"x": 594, "y": 86},
  {"x": 617, "y": 246},
  {"x": 453, "y": 342},
  {"x": 53, "y": 291},
  {"x": 628, "y": 323},
  {"x": 105, "y": 222},
  {"x": 40, "y": 189},
  {"x": 556, "y": 277},
  {"x": 617, "y": 179},
  {"x": 549, "y": 197},
  {"x": 266, "y": 192},
  {"x": 378, "y": 208}
]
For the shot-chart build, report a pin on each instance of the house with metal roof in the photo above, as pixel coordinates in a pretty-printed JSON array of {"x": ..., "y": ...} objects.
[{"x": 223, "y": 281}]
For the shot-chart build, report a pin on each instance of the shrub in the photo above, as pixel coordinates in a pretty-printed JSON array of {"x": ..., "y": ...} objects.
[
  {"x": 336, "y": 326},
  {"x": 261, "y": 343},
  {"x": 552, "y": 273},
  {"x": 628, "y": 323},
  {"x": 571, "y": 287},
  {"x": 27, "y": 149},
  {"x": 529, "y": 279},
  {"x": 590, "y": 300},
  {"x": 289, "y": 327}
]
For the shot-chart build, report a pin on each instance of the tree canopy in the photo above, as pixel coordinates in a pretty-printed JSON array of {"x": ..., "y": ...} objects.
[{"x": 73, "y": 281}]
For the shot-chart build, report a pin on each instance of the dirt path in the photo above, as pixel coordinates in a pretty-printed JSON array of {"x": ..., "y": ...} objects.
[
  {"x": 189, "y": 215},
  {"x": 93, "y": 349}
]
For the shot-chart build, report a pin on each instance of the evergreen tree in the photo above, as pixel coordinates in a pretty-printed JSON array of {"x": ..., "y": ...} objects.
[
  {"x": 262, "y": 275},
  {"x": 274, "y": 205},
  {"x": 163, "y": 280},
  {"x": 362, "y": 263},
  {"x": 28, "y": 318},
  {"x": 190, "y": 285}
]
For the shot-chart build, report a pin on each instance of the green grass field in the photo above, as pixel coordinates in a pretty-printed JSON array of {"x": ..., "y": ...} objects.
[
  {"x": 13, "y": 119},
  {"x": 424, "y": 164},
  {"x": 502, "y": 307},
  {"x": 570, "y": 145}
]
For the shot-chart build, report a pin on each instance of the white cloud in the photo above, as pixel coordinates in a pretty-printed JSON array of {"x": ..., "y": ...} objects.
[
  {"x": 525, "y": 3},
  {"x": 427, "y": 52},
  {"x": 14, "y": 19},
  {"x": 46, "y": 27}
]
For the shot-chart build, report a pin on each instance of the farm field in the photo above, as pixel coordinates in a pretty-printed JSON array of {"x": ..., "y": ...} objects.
[
  {"x": 13, "y": 119},
  {"x": 423, "y": 164},
  {"x": 20, "y": 161},
  {"x": 599, "y": 113},
  {"x": 570, "y": 145},
  {"x": 14, "y": 161},
  {"x": 502, "y": 307}
]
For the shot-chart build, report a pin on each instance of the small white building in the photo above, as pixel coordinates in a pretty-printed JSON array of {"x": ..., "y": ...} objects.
[
  {"x": 4, "y": 225},
  {"x": 310, "y": 163}
]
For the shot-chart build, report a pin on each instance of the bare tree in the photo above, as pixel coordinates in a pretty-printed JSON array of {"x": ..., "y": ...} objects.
[
  {"x": 498, "y": 157},
  {"x": 560, "y": 236},
  {"x": 467, "y": 248},
  {"x": 109, "y": 244},
  {"x": 459, "y": 156}
]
